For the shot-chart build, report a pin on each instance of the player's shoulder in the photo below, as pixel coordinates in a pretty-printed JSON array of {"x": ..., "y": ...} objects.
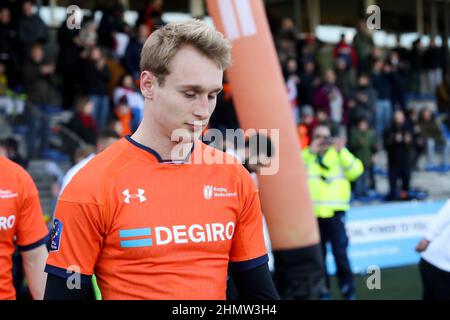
[
  {"x": 14, "y": 171},
  {"x": 88, "y": 183},
  {"x": 226, "y": 162}
]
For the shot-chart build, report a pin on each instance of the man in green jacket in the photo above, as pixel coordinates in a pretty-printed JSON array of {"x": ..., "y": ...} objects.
[{"x": 331, "y": 168}]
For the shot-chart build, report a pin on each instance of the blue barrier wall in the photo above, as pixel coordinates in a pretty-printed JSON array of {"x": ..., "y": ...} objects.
[{"x": 386, "y": 235}]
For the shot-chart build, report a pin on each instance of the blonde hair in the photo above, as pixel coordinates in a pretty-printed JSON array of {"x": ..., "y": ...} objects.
[{"x": 162, "y": 45}]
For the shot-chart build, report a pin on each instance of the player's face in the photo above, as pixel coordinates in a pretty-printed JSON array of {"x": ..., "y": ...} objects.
[{"x": 187, "y": 97}]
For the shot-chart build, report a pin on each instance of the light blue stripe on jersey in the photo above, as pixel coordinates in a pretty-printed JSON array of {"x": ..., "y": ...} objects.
[
  {"x": 136, "y": 243},
  {"x": 135, "y": 233}
]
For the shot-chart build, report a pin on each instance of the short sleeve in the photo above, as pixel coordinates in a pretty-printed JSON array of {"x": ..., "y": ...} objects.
[
  {"x": 248, "y": 249},
  {"x": 76, "y": 238},
  {"x": 31, "y": 231}
]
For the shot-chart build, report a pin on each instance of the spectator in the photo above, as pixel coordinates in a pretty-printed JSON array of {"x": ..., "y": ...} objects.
[
  {"x": 365, "y": 98},
  {"x": 83, "y": 123},
  {"x": 3, "y": 80},
  {"x": 363, "y": 146},
  {"x": 31, "y": 28},
  {"x": 292, "y": 83},
  {"x": 377, "y": 54},
  {"x": 153, "y": 15},
  {"x": 123, "y": 113},
  {"x": 116, "y": 72},
  {"x": 70, "y": 48},
  {"x": 11, "y": 146},
  {"x": 115, "y": 125},
  {"x": 38, "y": 79},
  {"x": 309, "y": 81},
  {"x": 383, "y": 105},
  {"x": 8, "y": 47},
  {"x": 324, "y": 56},
  {"x": 132, "y": 57},
  {"x": 419, "y": 142},
  {"x": 415, "y": 67},
  {"x": 112, "y": 22},
  {"x": 353, "y": 116},
  {"x": 15, "y": 9},
  {"x": 134, "y": 98},
  {"x": 287, "y": 29},
  {"x": 433, "y": 62},
  {"x": 363, "y": 44},
  {"x": 399, "y": 145},
  {"x": 329, "y": 98},
  {"x": 304, "y": 128},
  {"x": 286, "y": 49},
  {"x": 95, "y": 76},
  {"x": 433, "y": 137},
  {"x": 321, "y": 119},
  {"x": 345, "y": 51},
  {"x": 345, "y": 78},
  {"x": 398, "y": 83},
  {"x": 88, "y": 36},
  {"x": 443, "y": 98},
  {"x": 331, "y": 167}
]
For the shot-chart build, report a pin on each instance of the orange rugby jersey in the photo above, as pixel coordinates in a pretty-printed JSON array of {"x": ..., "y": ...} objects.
[
  {"x": 149, "y": 229},
  {"x": 21, "y": 220}
]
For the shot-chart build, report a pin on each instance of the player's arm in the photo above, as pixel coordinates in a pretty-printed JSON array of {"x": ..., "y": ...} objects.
[
  {"x": 255, "y": 283},
  {"x": 33, "y": 265},
  {"x": 32, "y": 236},
  {"x": 248, "y": 254},
  {"x": 75, "y": 242},
  {"x": 438, "y": 223}
]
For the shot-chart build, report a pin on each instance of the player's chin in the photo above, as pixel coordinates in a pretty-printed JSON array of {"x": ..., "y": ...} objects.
[{"x": 185, "y": 135}]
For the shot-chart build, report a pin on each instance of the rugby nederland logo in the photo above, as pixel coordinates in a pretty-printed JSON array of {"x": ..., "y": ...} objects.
[{"x": 208, "y": 192}]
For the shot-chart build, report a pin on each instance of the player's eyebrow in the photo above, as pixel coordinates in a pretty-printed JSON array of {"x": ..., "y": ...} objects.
[{"x": 201, "y": 89}]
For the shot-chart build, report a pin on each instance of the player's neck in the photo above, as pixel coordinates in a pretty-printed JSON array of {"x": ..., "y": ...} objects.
[{"x": 150, "y": 137}]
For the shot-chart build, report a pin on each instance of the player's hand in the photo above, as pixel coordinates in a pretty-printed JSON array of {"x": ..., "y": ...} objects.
[
  {"x": 422, "y": 245},
  {"x": 398, "y": 137}
]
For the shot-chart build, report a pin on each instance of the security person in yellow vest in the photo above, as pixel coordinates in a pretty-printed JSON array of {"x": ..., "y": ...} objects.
[{"x": 331, "y": 167}]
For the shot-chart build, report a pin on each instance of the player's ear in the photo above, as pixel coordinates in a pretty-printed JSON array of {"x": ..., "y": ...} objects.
[{"x": 148, "y": 81}]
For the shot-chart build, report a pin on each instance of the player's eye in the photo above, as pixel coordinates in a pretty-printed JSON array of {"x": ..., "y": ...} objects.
[
  {"x": 189, "y": 94},
  {"x": 212, "y": 96}
]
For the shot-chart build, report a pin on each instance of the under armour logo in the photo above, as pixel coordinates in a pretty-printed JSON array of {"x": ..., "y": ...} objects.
[{"x": 139, "y": 195}]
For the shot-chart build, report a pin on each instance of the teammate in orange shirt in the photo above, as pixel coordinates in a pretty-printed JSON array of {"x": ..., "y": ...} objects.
[
  {"x": 149, "y": 228},
  {"x": 21, "y": 219}
]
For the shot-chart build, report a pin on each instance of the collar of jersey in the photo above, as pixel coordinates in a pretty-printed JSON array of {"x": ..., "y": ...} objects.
[{"x": 155, "y": 154}]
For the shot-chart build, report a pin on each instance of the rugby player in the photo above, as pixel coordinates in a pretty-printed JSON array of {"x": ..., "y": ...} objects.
[
  {"x": 151, "y": 223},
  {"x": 21, "y": 223}
]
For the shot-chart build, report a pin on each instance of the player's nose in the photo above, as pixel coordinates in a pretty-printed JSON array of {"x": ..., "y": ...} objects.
[{"x": 202, "y": 108}]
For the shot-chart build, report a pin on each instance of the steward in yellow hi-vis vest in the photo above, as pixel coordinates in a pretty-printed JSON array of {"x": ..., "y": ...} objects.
[
  {"x": 329, "y": 177},
  {"x": 331, "y": 167}
]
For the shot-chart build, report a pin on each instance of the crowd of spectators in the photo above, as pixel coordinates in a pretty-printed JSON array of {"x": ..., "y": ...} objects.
[
  {"x": 363, "y": 92},
  {"x": 93, "y": 73}
]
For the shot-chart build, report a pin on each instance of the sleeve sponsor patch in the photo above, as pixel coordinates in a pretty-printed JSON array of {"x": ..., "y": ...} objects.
[{"x": 55, "y": 237}]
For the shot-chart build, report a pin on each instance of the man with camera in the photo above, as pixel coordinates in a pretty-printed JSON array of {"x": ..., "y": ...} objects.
[{"x": 331, "y": 167}]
